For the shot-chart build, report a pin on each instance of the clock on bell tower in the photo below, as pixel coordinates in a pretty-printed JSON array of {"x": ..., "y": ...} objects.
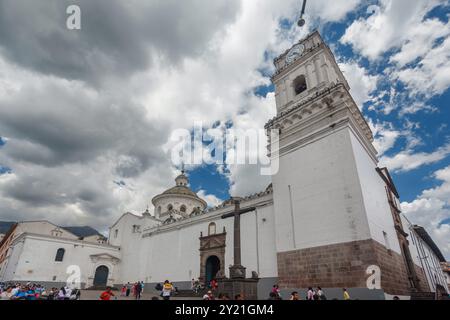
[{"x": 301, "y": 71}]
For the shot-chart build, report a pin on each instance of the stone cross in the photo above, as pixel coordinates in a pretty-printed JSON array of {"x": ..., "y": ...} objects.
[{"x": 237, "y": 270}]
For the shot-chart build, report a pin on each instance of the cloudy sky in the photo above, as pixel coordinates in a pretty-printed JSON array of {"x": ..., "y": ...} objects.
[{"x": 85, "y": 116}]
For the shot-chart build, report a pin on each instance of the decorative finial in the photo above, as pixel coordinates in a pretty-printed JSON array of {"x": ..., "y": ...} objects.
[{"x": 182, "y": 168}]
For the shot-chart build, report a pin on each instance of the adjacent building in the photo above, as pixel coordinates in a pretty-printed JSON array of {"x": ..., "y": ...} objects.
[{"x": 39, "y": 251}]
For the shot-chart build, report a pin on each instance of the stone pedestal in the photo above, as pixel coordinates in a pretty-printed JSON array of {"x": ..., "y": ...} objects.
[{"x": 232, "y": 287}]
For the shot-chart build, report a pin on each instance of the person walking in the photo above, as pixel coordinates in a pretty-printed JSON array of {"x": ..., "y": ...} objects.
[
  {"x": 137, "y": 291},
  {"x": 167, "y": 290},
  {"x": 276, "y": 290},
  {"x": 346, "y": 294},
  {"x": 321, "y": 294},
  {"x": 310, "y": 294},
  {"x": 128, "y": 289},
  {"x": 107, "y": 294}
]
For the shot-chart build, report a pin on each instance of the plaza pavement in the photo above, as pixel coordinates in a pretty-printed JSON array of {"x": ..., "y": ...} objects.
[{"x": 147, "y": 295}]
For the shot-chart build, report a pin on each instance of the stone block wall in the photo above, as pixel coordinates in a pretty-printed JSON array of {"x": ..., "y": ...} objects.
[{"x": 343, "y": 266}]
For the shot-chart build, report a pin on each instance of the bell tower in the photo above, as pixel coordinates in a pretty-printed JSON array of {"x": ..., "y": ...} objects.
[
  {"x": 330, "y": 207},
  {"x": 305, "y": 69}
]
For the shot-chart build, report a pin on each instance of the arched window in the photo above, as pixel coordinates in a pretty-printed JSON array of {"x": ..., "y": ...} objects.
[
  {"x": 60, "y": 255},
  {"x": 169, "y": 207},
  {"x": 300, "y": 84},
  {"x": 159, "y": 210},
  {"x": 211, "y": 229},
  {"x": 183, "y": 208}
]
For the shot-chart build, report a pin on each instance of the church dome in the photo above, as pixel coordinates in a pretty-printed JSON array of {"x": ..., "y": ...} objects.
[
  {"x": 179, "y": 201},
  {"x": 177, "y": 190}
]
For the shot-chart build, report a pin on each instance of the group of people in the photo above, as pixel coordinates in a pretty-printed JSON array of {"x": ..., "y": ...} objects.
[
  {"x": 167, "y": 290},
  {"x": 31, "y": 291},
  {"x": 221, "y": 296},
  {"x": 312, "y": 294},
  {"x": 135, "y": 290}
]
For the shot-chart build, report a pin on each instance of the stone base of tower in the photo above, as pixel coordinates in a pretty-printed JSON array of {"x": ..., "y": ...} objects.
[{"x": 344, "y": 266}]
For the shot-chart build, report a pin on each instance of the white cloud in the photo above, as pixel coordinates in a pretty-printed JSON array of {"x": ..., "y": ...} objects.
[
  {"x": 210, "y": 199},
  {"x": 392, "y": 24},
  {"x": 422, "y": 37},
  {"x": 385, "y": 136},
  {"x": 431, "y": 209},
  {"x": 409, "y": 160},
  {"x": 401, "y": 28},
  {"x": 362, "y": 84},
  {"x": 432, "y": 76}
]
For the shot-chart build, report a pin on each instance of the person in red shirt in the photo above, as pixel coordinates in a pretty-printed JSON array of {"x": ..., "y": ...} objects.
[{"x": 106, "y": 295}]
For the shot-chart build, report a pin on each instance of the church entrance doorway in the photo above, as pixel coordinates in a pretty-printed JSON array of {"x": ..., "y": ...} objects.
[
  {"x": 212, "y": 268},
  {"x": 212, "y": 257},
  {"x": 101, "y": 276}
]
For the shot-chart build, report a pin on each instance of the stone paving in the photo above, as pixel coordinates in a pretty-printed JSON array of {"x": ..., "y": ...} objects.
[{"x": 94, "y": 295}]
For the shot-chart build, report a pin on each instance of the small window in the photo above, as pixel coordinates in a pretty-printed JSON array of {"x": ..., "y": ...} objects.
[
  {"x": 386, "y": 241},
  {"x": 116, "y": 233},
  {"x": 136, "y": 229},
  {"x": 211, "y": 229},
  {"x": 300, "y": 85},
  {"x": 169, "y": 207},
  {"x": 56, "y": 233},
  {"x": 60, "y": 255},
  {"x": 159, "y": 210},
  {"x": 183, "y": 208}
]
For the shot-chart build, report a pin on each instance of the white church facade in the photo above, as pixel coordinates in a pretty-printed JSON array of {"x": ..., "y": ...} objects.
[{"x": 328, "y": 217}]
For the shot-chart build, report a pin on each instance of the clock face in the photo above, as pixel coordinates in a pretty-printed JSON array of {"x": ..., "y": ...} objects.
[{"x": 294, "y": 53}]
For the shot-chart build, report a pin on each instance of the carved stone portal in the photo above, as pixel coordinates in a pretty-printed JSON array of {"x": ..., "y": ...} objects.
[{"x": 212, "y": 257}]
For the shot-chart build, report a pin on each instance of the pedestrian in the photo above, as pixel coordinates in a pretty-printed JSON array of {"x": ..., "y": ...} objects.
[
  {"x": 346, "y": 295},
  {"x": 294, "y": 296},
  {"x": 107, "y": 294},
  {"x": 61, "y": 294},
  {"x": 321, "y": 294},
  {"x": 239, "y": 297},
  {"x": 21, "y": 294},
  {"x": 142, "y": 287},
  {"x": 208, "y": 296},
  {"x": 123, "y": 292},
  {"x": 276, "y": 290},
  {"x": 7, "y": 294},
  {"x": 137, "y": 291},
  {"x": 213, "y": 284},
  {"x": 273, "y": 296},
  {"x": 167, "y": 290},
  {"x": 68, "y": 293},
  {"x": 310, "y": 294},
  {"x": 128, "y": 289}
]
